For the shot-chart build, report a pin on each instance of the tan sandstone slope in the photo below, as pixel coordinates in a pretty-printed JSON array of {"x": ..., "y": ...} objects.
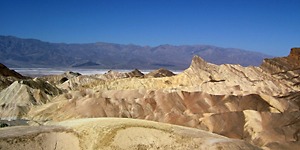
[
  {"x": 115, "y": 134},
  {"x": 17, "y": 99}
]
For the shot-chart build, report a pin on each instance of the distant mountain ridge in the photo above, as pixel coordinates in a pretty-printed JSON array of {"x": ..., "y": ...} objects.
[{"x": 18, "y": 52}]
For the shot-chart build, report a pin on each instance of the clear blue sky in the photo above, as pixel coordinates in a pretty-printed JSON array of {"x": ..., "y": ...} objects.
[{"x": 268, "y": 26}]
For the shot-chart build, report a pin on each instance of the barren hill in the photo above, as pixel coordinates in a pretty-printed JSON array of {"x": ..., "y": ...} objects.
[{"x": 115, "y": 134}]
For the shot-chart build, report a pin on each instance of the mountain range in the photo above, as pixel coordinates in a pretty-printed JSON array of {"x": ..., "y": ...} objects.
[{"x": 18, "y": 52}]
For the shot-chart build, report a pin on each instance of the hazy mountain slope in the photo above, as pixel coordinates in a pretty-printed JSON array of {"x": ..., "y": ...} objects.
[{"x": 17, "y": 52}]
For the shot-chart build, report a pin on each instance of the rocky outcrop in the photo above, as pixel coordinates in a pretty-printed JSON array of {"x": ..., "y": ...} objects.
[
  {"x": 112, "y": 75},
  {"x": 59, "y": 79},
  {"x": 5, "y": 82},
  {"x": 285, "y": 69},
  {"x": 79, "y": 82},
  {"x": 266, "y": 129},
  {"x": 134, "y": 73},
  {"x": 18, "y": 93},
  {"x": 6, "y": 72},
  {"x": 160, "y": 73},
  {"x": 213, "y": 79},
  {"x": 112, "y": 133},
  {"x": 70, "y": 80},
  {"x": 295, "y": 55},
  {"x": 17, "y": 99},
  {"x": 283, "y": 64},
  {"x": 8, "y": 76}
]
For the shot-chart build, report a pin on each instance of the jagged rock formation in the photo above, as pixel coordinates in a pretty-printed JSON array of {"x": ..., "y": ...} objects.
[
  {"x": 134, "y": 73},
  {"x": 266, "y": 129},
  {"x": 17, "y": 99},
  {"x": 295, "y": 55},
  {"x": 59, "y": 79},
  {"x": 71, "y": 81},
  {"x": 283, "y": 64},
  {"x": 79, "y": 82},
  {"x": 5, "y": 82},
  {"x": 152, "y": 105},
  {"x": 160, "y": 73},
  {"x": 8, "y": 76},
  {"x": 109, "y": 133},
  {"x": 213, "y": 79},
  {"x": 286, "y": 69},
  {"x": 196, "y": 109},
  {"x": 84, "y": 81},
  {"x": 6, "y": 72},
  {"x": 112, "y": 75}
]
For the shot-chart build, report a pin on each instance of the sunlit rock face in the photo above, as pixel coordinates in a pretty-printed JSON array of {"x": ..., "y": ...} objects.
[
  {"x": 283, "y": 64},
  {"x": 259, "y": 105},
  {"x": 17, "y": 99},
  {"x": 295, "y": 55},
  {"x": 249, "y": 117},
  {"x": 155, "y": 105},
  {"x": 210, "y": 78},
  {"x": 8, "y": 76},
  {"x": 285, "y": 69}
]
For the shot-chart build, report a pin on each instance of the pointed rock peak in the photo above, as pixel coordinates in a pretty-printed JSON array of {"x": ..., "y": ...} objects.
[
  {"x": 283, "y": 64},
  {"x": 198, "y": 62},
  {"x": 6, "y": 72},
  {"x": 136, "y": 73},
  {"x": 162, "y": 72},
  {"x": 3, "y": 66},
  {"x": 295, "y": 54}
]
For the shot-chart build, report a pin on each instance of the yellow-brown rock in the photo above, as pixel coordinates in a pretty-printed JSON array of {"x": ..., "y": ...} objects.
[
  {"x": 17, "y": 99},
  {"x": 115, "y": 134}
]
